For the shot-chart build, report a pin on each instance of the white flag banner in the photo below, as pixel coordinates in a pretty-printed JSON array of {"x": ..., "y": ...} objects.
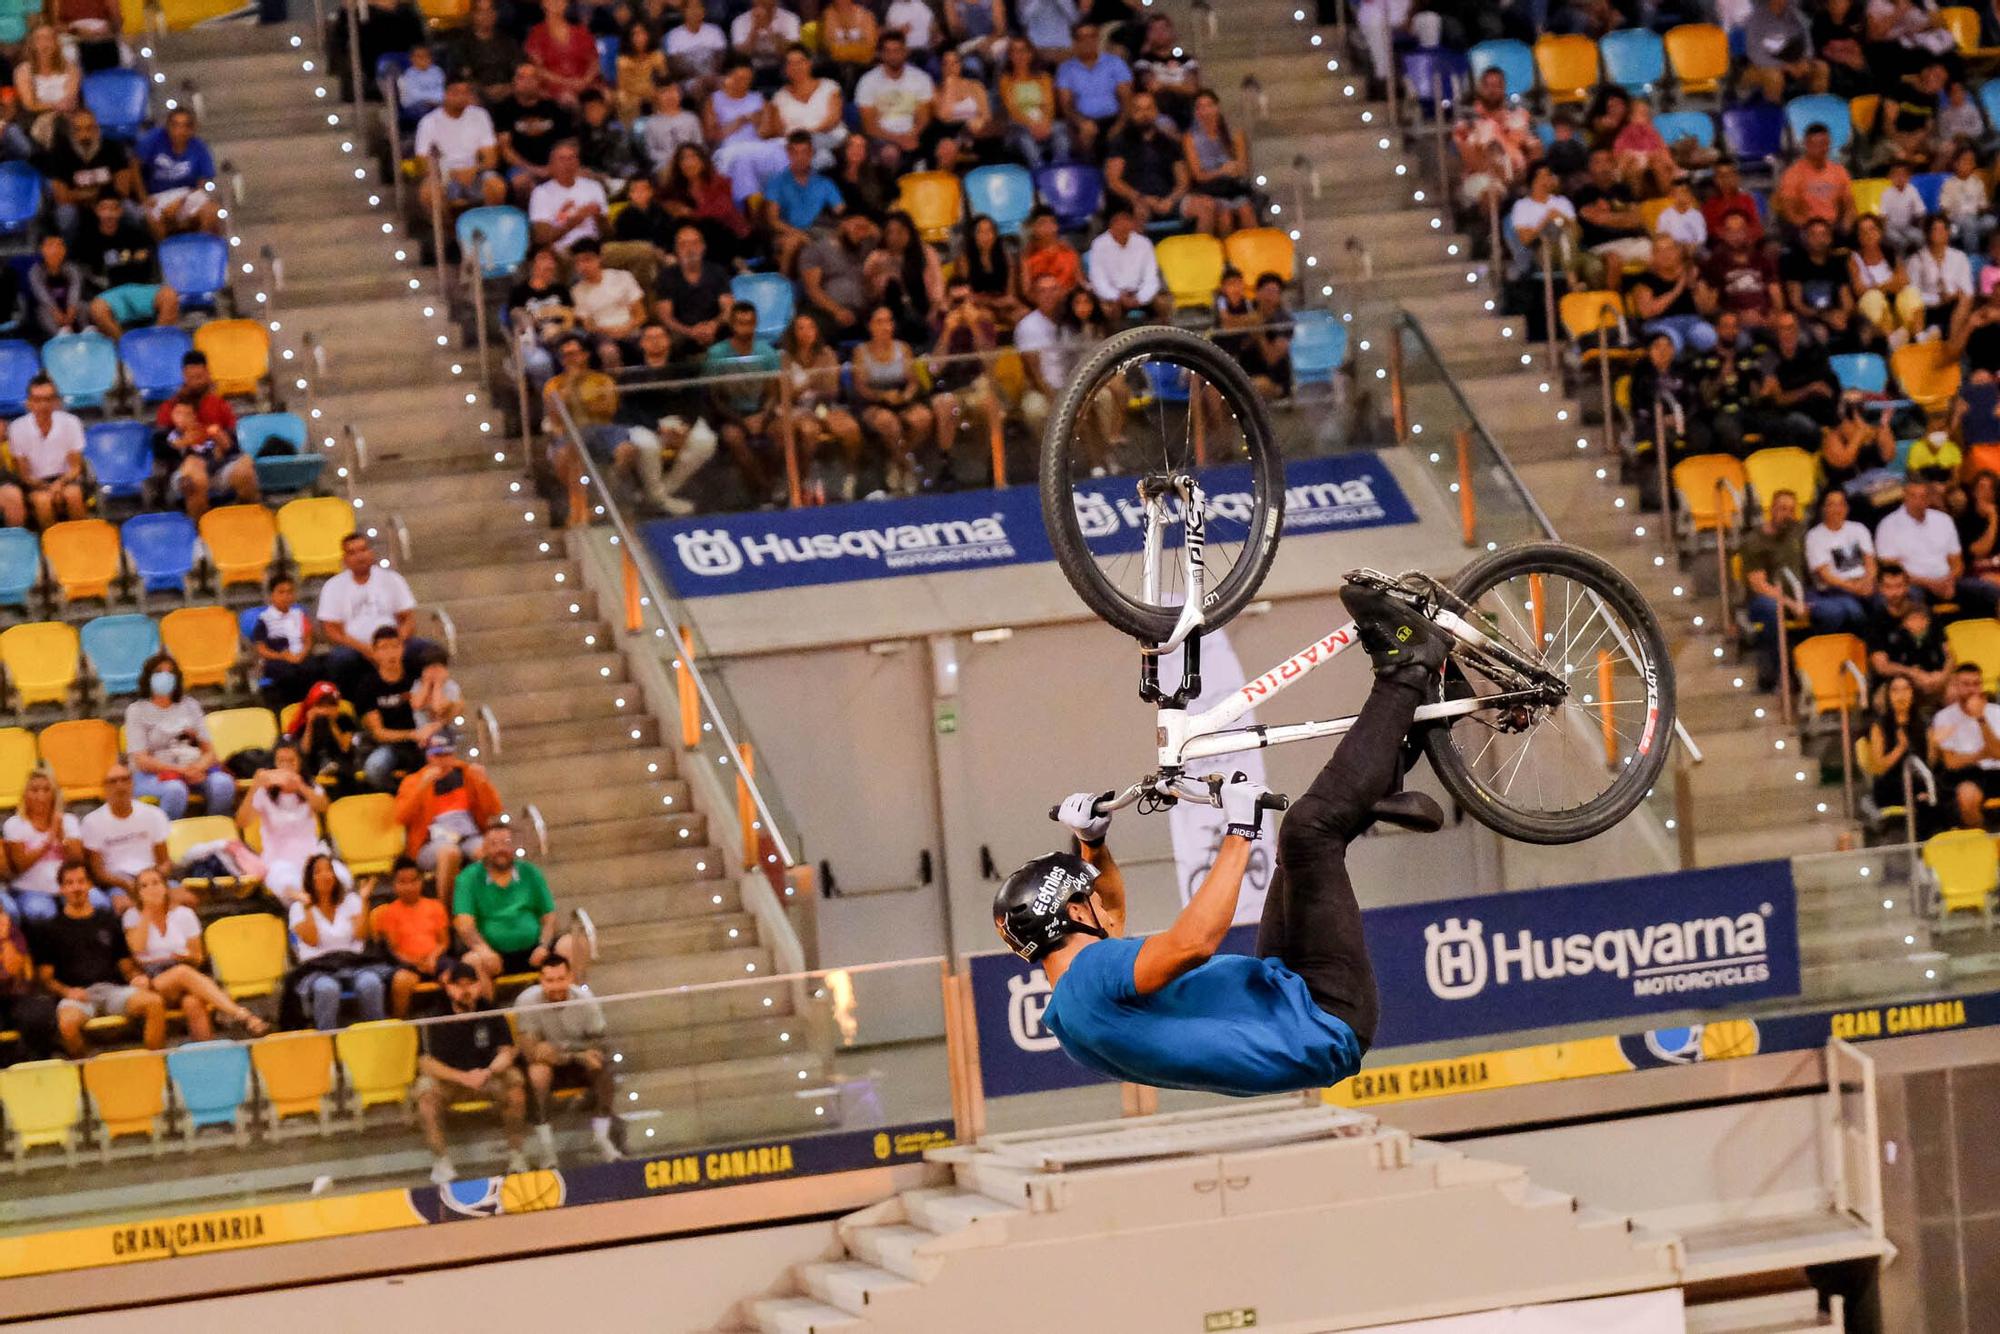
[
  {"x": 1658, "y": 1312},
  {"x": 1197, "y": 829}
]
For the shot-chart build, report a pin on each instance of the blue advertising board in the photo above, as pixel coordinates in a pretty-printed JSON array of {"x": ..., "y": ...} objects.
[
  {"x": 1495, "y": 963},
  {"x": 975, "y": 530}
]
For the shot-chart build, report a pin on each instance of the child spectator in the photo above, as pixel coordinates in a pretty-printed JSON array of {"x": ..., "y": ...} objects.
[
  {"x": 671, "y": 126},
  {"x": 562, "y": 1028},
  {"x": 1681, "y": 219},
  {"x": 471, "y": 1054},
  {"x": 609, "y": 303},
  {"x": 416, "y": 931},
  {"x": 286, "y": 806},
  {"x": 282, "y": 640},
  {"x": 57, "y": 301},
  {"x": 421, "y": 87},
  {"x": 1643, "y": 159},
  {"x": 1965, "y": 199},
  {"x": 437, "y": 698},
  {"x": 1902, "y": 209}
]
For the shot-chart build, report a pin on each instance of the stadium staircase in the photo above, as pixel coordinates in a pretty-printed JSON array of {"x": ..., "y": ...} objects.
[
  {"x": 1381, "y": 239},
  {"x": 1314, "y": 1217},
  {"x": 568, "y": 743}
]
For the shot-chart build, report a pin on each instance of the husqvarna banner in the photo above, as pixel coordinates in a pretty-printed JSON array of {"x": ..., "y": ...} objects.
[
  {"x": 1498, "y": 963},
  {"x": 747, "y": 553}
]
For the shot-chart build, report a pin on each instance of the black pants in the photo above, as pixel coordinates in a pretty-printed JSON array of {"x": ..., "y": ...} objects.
[{"x": 1311, "y": 922}]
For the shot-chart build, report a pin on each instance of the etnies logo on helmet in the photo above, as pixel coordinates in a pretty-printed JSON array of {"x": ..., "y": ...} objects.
[{"x": 1057, "y": 888}]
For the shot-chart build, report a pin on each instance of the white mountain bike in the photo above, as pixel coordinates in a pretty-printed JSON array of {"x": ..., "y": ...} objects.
[{"x": 1556, "y": 709}]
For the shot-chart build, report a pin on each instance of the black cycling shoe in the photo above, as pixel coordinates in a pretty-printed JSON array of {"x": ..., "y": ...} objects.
[{"x": 1395, "y": 634}]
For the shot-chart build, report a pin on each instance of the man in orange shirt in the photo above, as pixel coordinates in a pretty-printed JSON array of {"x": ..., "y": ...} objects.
[
  {"x": 1046, "y": 254},
  {"x": 1817, "y": 187},
  {"x": 415, "y": 930},
  {"x": 447, "y": 807}
]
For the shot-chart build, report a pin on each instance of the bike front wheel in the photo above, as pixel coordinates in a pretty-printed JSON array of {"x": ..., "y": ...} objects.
[
  {"x": 1556, "y": 772},
  {"x": 1146, "y": 407}
]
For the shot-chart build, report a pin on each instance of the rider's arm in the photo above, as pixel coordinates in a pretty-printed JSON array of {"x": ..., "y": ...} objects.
[
  {"x": 1197, "y": 933},
  {"x": 1109, "y": 885}
]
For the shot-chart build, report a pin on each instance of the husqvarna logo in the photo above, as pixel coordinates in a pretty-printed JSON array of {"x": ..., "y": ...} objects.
[
  {"x": 1455, "y": 958},
  {"x": 1095, "y": 515},
  {"x": 708, "y": 551},
  {"x": 1027, "y": 1001}
]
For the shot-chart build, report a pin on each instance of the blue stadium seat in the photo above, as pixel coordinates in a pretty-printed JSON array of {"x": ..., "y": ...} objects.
[
  {"x": 84, "y": 367},
  {"x": 1929, "y": 186},
  {"x": 1989, "y": 102},
  {"x": 771, "y": 294},
  {"x": 607, "y": 58},
  {"x": 1075, "y": 190},
  {"x": 120, "y": 453},
  {"x": 20, "y": 566},
  {"x": 1004, "y": 193},
  {"x": 1754, "y": 133},
  {"x": 117, "y": 648},
  {"x": 1675, "y": 126},
  {"x": 1319, "y": 346},
  {"x": 19, "y": 363},
  {"x": 503, "y": 238},
  {"x": 389, "y": 68},
  {"x": 280, "y": 472},
  {"x": 152, "y": 359},
  {"x": 118, "y": 96},
  {"x": 1435, "y": 72},
  {"x": 20, "y": 197},
  {"x": 246, "y": 620},
  {"x": 196, "y": 266},
  {"x": 1863, "y": 372},
  {"x": 1801, "y": 113},
  {"x": 1168, "y": 382},
  {"x": 211, "y": 1083},
  {"x": 1511, "y": 58},
  {"x": 1634, "y": 58},
  {"x": 160, "y": 548}
]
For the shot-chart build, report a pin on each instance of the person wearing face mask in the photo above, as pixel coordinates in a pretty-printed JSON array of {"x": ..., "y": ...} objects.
[{"x": 171, "y": 752}]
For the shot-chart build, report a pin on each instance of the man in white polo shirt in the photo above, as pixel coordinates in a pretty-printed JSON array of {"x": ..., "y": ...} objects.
[
  {"x": 568, "y": 206},
  {"x": 460, "y": 133},
  {"x": 47, "y": 445},
  {"x": 1124, "y": 271},
  {"x": 1924, "y": 541},
  {"x": 361, "y": 599}
]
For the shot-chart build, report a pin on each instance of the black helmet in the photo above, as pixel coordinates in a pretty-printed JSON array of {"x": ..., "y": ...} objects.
[{"x": 1030, "y": 908}]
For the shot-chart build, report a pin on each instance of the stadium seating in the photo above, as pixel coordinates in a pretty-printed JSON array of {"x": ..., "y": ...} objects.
[
  {"x": 295, "y": 1071},
  {"x": 212, "y": 1087},
  {"x": 1004, "y": 192},
  {"x": 84, "y": 367},
  {"x": 116, "y": 647},
  {"x": 78, "y": 751},
  {"x": 120, "y": 455},
  {"x": 242, "y": 541},
  {"x": 365, "y": 833},
  {"x": 83, "y": 558},
  {"x": 1965, "y": 869},
  {"x": 312, "y": 530},
  {"x": 203, "y": 640},
  {"x": 379, "y": 1058},
  {"x": 247, "y": 952},
  {"x": 152, "y": 360},
  {"x": 160, "y": 548},
  {"x": 43, "y": 1102},
  {"x": 196, "y": 266},
  {"x": 41, "y": 662},
  {"x": 128, "y": 1095}
]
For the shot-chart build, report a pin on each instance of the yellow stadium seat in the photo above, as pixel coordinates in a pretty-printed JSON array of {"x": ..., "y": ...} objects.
[
  {"x": 1711, "y": 488},
  {"x": 190, "y": 832},
  {"x": 296, "y": 1070},
  {"x": 445, "y": 13},
  {"x": 1868, "y": 192},
  {"x": 365, "y": 832},
  {"x": 204, "y": 641},
  {"x": 934, "y": 200},
  {"x": 1926, "y": 375},
  {"x": 83, "y": 557},
  {"x": 1862, "y": 111},
  {"x": 1699, "y": 56},
  {"x": 42, "y": 662},
  {"x": 1191, "y": 267},
  {"x": 236, "y": 730},
  {"x": 1965, "y": 867},
  {"x": 247, "y": 952},
  {"x": 43, "y": 1101},
  {"x": 1256, "y": 251},
  {"x": 1583, "y": 313},
  {"x": 1650, "y": 211},
  {"x": 1977, "y": 642},
  {"x": 241, "y": 540},
  {"x": 380, "y": 1057},
  {"x": 1782, "y": 468},
  {"x": 78, "y": 751},
  {"x": 128, "y": 1091},
  {"x": 239, "y": 354},
  {"x": 1822, "y": 661},
  {"x": 18, "y": 759},
  {"x": 1567, "y": 65},
  {"x": 1963, "y": 25},
  {"x": 312, "y": 528}
]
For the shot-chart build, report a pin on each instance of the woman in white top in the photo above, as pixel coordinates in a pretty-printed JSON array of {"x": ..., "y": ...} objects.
[
  {"x": 1941, "y": 274},
  {"x": 1882, "y": 293},
  {"x": 47, "y": 82},
  {"x": 961, "y": 110},
  {"x": 730, "y": 119},
  {"x": 39, "y": 838},
  {"x": 810, "y": 103},
  {"x": 330, "y": 925},
  {"x": 165, "y": 940},
  {"x": 286, "y": 810},
  {"x": 170, "y": 750}
]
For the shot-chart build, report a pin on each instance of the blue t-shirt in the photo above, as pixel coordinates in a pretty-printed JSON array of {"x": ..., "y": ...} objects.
[
  {"x": 801, "y": 205},
  {"x": 1236, "y": 1024},
  {"x": 163, "y": 169},
  {"x": 743, "y": 397},
  {"x": 1095, "y": 87}
]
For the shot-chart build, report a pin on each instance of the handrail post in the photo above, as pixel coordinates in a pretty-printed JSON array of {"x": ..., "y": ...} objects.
[
  {"x": 1391, "y": 77},
  {"x": 1549, "y": 303},
  {"x": 635, "y": 616},
  {"x": 319, "y": 30},
  {"x": 1606, "y": 682},
  {"x": 996, "y": 443},
  {"x": 1910, "y": 815},
  {"x": 1399, "y": 410},
  {"x": 689, "y": 697},
  {"x": 1666, "y": 473},
  {"x": 1784, "y": 661},
  {"x": 1468, "y": 508},
  {"x": 788, "y": 439},
  {"x": 437, "y": 222},
  {"x": 1496, "y": 250},
  {"x": 1604, "y": 385},
  {"x": 475, "y": 275},
  {"x": 1725, "y": 519},
  {"x": 1438, "y": 127},
  {"x": 1684, "y": 807},
  {"x": 1847, "y": 751},
  {"x": 358, "y": 75},
  {"x": 392, "y": 101},
  {"x": 746, "y": 809}
]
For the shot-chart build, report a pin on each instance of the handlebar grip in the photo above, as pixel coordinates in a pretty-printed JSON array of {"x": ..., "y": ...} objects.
[{"x": 1273, "y": 801}]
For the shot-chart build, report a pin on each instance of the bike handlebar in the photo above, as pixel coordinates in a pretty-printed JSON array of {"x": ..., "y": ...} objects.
[{"x": 1208, "y": 793}]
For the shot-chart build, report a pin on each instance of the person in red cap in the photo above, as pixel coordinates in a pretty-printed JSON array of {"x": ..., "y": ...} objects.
[{"x": 324, "y": 730}]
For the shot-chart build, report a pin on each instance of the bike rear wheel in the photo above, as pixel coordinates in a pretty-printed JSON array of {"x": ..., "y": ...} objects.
[
  {"x": 1147, "y": 406},
  {"x": 1565, "y": 771}
]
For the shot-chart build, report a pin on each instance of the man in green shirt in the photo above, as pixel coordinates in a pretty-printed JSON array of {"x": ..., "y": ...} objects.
[
  {"x": 1770, "y": 551},
  {"x": 505, "y": 915},
  {"x": 743, "y": 406}
]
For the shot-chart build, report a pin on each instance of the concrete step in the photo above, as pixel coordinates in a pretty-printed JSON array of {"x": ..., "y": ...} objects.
[
  {"x": 579, "y": 793},
  {"x": 799, "y": 1315},
  {"x": 521, "y": 608},
  {"x": 646, "y": 887},
  {"x": 623, "y": 766},
  {"x": 555, "y": 740},
  {"x": 631, "y": 833},
  {"x": 484, "y": 677},
  {"x": 651, "y": 940},
  {"x": 691, "y": 970},
  {"x": 607, "y": 703},
  {"x": 499, "y": 644}
]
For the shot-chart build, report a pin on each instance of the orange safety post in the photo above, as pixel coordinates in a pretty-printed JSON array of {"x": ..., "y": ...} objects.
[
  {"x": 1540, "y": 617},
  {"x": 690, "y": 698},
  {"x": 1468, "y": 509},
  {"x": 996, "y": 440},
  {"x": 794, "y": 490},
  {"x": 635, "y": 618},
  {"x": 1604, "y": 688},
  {"x": 746, "y": 809}
]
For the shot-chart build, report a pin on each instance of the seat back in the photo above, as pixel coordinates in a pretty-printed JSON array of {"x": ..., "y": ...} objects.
[
  {"x": 19, "y": 363},
  {"x": 236, "y": 730},
  {"x": 82, "y": 556},
  {"x": 43, "y": 1101},
  {"x": 238, "y": 352},
  {"x": 17, "y": 760},
  {"x": 1966, "y": 865},
  {"x": 770, "y": 294},
  {"x": 500, "y": 233},
  {"x": 20, "y": 566},
  {"x": 1513, "y": 59},
  {"x": 1977, "y": 642},
  {"x": 380, "y": 1058},
  {"x": 296, "y": 1070},
  {"x": 203, "y": 641},
  {"x": 1074, "y": 190},
  {"x": 1755, "y": 132},
  {"x": 211, "y": 1080},
  {"x": 161, "y": 550},
  {"x": 934, "y": 200},
  {"x": 1801, "y": 113},
  {"x": 1634, "y": 58},
  {"x": 20, "y": 197},
  {"x": 1675, "y": 126},
  {"x": 1584, "y": 313},
  {"x": 78, "y": 751},
  {"x": 1191, "y": 267},
  {"x": 117, "y": 648},
  {"x": 241, "y": 542},
  {"x": 1963, "y": 25},
  {"x": 1699, "y": 55},
  {"x": 120, "y": 454},
  {"x": 280, "y": 471},
  {"x": 1867, "y": 194},
  {"x": 128, "y": 1090},
  {"x": 365, "y": 833},
  {"x": 1435, "y": 74},
  {"x": 191, "y": 831},
  {"x": 1929, "y": 186},
  {"x": 1256, "y": 251},
  {"x": 256, "y": 431},
  {"x": 83, "y": 365},
  {"x": 196, "y": 266},
  {"x": 152, "y": 359},
  {"x": 1567, "y": 63},
  {"x": 1783, "y": 468},
  {"x": 312, "y": 528},
  {"x": 1822, "y": 663},
  {"x": 41, "y": 661},
  {"x": 118, "y": 96},
  {"x": 1925, "y": 374},
  {"x": 1861, "y": 372},
  {"x": 1004, "y": 193},
  {"x": 247, "y": 952},
  {"x": 1319, "y": 346},
  {"x": 1989, "y": 100},
  {"x": 1706, "y": 504}
]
